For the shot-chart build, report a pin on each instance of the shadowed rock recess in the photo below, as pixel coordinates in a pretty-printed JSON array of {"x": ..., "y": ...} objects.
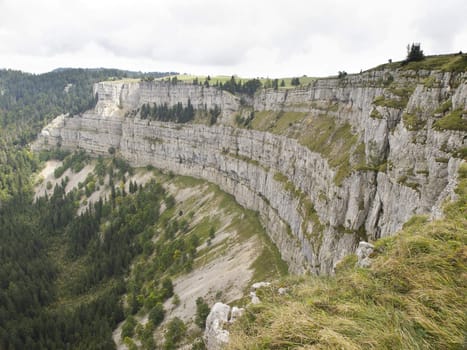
[{"x": 395, "y": 156}]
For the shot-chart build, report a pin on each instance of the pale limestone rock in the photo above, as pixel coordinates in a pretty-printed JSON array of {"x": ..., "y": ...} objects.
[
  {"x": 363, "y": 252},
  {"x": 258, "y": 285},
  {"x": 255, "y": 286},
  {"x": 215, "y": 335},
  {"x": 243, "y": 162},
  {"x": 254, "y": 298},
  {"x": 236, "y": 313}
]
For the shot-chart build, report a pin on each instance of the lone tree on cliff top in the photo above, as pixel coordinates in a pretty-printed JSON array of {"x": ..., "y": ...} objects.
[{"x": 414, "y": 53}]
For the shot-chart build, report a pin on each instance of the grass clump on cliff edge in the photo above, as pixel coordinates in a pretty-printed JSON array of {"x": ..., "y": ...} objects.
[
  {"x": 452, "y": 121},
  {"x": 446, "y": 63},
  {"x": 413, "y": 122},
  {"x": 412, "y": 297}
]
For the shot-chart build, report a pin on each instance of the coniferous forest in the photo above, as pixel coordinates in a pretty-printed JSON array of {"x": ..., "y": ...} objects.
[{"x": 39, "y": 309}]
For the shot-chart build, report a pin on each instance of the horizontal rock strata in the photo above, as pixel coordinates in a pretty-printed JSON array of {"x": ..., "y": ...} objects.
[{"x": 313, "y": 221}]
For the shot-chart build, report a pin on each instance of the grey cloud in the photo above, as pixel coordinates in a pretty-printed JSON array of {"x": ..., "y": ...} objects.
[
  {"x": 292, "y": 36},
  {"x": 441, "y": 23}
]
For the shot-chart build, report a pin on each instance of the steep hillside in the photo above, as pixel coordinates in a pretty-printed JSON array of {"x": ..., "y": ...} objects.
[
  {"x": 412, "y": 296},
  {"x": 326, "y": 165},
  {"x": 183, "y": 239}
]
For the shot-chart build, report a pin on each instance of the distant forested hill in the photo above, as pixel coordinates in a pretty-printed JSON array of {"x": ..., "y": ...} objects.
[
  {"x": 26, "y": 100},
  {"x": 27, "y": 230},
  {"x": 29, "y": 101}
]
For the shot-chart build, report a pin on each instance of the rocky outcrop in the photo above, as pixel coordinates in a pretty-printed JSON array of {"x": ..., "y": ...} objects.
[
  {"x": 128, "y": 96},
  {"x": 313, "y": 221},
  {"x": 215, "y": 335},
  {"x": 363, "y": 253}
]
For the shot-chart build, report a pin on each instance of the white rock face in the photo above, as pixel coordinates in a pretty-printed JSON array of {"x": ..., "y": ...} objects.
[
  {"x": 215, "y": 335},
  {"x": 235, "y": 313},
  {"x": 258, "y": 285},
  {"x": 254, "y": 298},
  {"x": 420, "y": 170},
  {"x": 363, "y": 252},
  {"x": 115, "y": 97}
]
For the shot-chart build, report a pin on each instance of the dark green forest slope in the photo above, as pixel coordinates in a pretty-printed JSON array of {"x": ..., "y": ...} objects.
[
  {"x": 28, "y": 318},
  {"x": 28, "y": 102},
  {"x": 66, "y": 280}
]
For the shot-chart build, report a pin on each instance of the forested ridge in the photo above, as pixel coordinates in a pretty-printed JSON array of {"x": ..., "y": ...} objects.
[
  {"x": 38, "y": 308},
  {"x": 28, "y": 102}
]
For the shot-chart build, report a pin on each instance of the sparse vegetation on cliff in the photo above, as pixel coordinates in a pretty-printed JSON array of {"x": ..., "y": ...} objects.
[
  {"x": 178, "y": 113},
  {"x": 453, "y": 121},
  {"x": 445, "y": 63},
  {"x": 322, "y": 134},
  {"x": 413, "y": 122},
  {"x": 267, "y": 83}
]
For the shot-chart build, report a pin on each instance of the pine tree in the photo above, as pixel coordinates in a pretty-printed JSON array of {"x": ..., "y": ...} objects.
[{"x": 414, "y": 53}]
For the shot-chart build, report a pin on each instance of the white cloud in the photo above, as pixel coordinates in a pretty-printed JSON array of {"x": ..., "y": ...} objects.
[{"x": 246, "y": 37}]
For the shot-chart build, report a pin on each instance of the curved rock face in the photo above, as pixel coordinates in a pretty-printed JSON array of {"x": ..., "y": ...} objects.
[
  {"x": 128, "y": 96},
  {"x": 313, "y": 221}
]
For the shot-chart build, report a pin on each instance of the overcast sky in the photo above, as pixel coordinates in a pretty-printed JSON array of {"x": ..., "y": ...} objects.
[{"x": 252, "y": 38}]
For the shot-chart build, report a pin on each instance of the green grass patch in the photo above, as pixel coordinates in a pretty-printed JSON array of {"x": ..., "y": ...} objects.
[
  {"x": 288, "y": 185},
  {"x": 285, "y": 120},
  {"x": 442, "y": 160},
  {"x": 269, "y": 264},
  {"x": 247, "y": 160},
  {"x": 452, "y": 121},
  {"x": 447, "y": 63},
  {"x": 444, "y": 107},
  {"x": 461, "y": 153},
  {"x": 276, "y": 122},
  {"x": 398, "y": 103},
  {"x": 413, "y": 122},
  {"x": 202, "y": 228},
  {"x": 335, "y": 142},
  {"x": 375, "y": 114},
  {"x": 264, "y": 120},
  {"x": 431, "y": 82}
]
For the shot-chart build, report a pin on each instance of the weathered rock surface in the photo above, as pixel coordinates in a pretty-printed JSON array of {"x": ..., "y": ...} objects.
[
  {"x": 215, "y": 335},
  {"x": 129, "y": 96},
  {"x": 416, "y": 167},
  {"x": 363, "y": 253}
]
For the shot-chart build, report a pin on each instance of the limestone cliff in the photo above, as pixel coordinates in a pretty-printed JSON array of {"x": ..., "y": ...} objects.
[{"x": 401, "y": 161}]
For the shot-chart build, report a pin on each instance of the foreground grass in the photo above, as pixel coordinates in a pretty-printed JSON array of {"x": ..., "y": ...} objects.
[{"x": 412, "y": 297}]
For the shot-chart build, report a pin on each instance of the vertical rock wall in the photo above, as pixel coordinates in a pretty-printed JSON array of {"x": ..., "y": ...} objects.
[{"x": 313, "y": 221}]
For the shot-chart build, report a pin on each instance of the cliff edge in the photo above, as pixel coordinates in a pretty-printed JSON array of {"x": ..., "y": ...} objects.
[{"x": 326, "y": 165}]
